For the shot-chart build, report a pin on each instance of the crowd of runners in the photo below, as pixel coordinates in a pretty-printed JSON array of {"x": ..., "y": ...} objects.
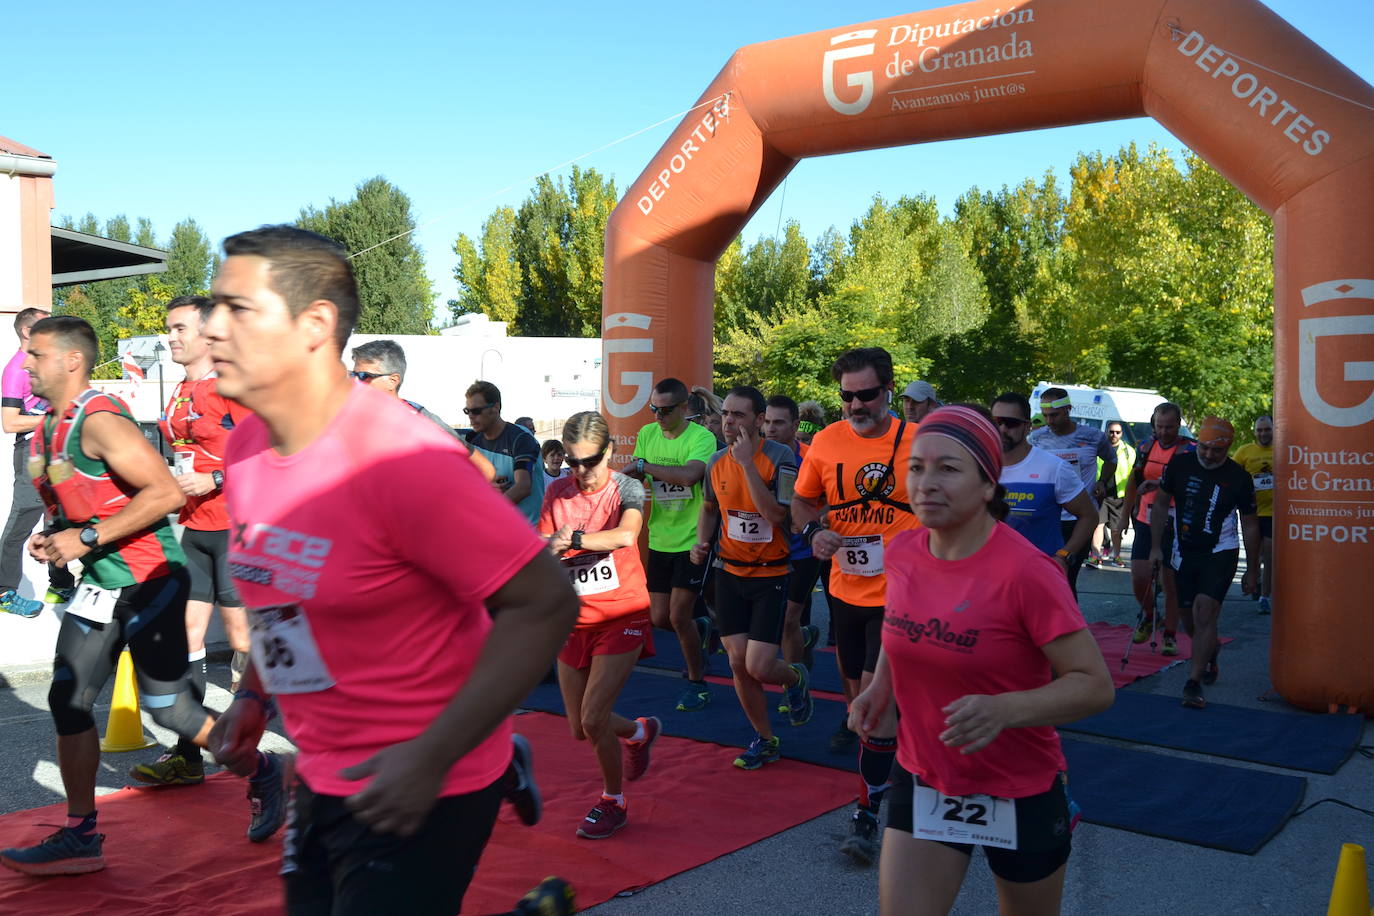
[{"x": 946, "y": 542}]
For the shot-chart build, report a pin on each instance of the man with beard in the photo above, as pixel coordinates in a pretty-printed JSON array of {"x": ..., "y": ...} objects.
[
  {"x": 1209, "y": 489},
  {"x": 852, "y": 471}
]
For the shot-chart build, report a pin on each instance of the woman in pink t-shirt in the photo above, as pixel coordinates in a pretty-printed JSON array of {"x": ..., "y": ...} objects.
[
  {"x": 984, "y": 652},
  {"x": 592, "y": 520}
]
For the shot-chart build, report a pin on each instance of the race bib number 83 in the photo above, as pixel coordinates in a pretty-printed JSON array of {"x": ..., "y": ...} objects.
[{"x": 861, "y": 556}]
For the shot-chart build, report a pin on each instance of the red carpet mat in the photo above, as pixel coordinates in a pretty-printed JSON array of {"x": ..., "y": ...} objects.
[
  {"x": 174, "y": 849},
  {"x": 1113, "y": 639}
]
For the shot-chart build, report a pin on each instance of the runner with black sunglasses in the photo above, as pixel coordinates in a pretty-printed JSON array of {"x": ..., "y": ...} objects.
[
  {"x": 851, "y": 475},
  {"x": 670, "y": 458}
]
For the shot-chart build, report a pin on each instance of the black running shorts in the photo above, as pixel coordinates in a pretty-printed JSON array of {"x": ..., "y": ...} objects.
[
  {"x": 1044, "y": 831},
  {"x": 667, "y": 571},
  {"x": 1207, "y": 574},
  {"x": 207, "y": 557},
  {"x": 858, "y": 637},
  {"x": 334, "y": 865},
  {"x": 756, "y": 605}
]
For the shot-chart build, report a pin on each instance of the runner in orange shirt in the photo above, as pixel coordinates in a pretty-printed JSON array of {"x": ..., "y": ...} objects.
[
  {"x": 745, "y": 498},
  {"x": 852, "y": 473}
]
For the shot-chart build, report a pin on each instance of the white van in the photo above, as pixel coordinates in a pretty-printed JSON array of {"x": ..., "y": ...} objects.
[{"x": 1096, "y": 406}]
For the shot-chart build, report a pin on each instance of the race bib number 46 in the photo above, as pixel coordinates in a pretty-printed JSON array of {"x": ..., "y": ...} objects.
[
  {"x": 284, "y": 650},
  {"x": 747, "y": 527},
  {"x": 1264, "y": 481},
  {"x": 861, "y": 556},
  {"x": 592, "y": 573},
  {"x": 982, "y": 820},
  {"x": 665, "y": 492}
]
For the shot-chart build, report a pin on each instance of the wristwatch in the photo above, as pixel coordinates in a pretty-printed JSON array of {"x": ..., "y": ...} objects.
[
  {"x": 809, "y": 530},
  {"x": 576, "y": 542},
  {"x": 218, "y": 477},
  {"x": 90, "y": 537},
  {"x": 639, "y": 466},
  {"x": 1061, "y": 552}
]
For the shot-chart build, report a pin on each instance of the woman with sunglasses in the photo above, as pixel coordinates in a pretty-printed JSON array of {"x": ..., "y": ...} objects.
[
  {"x": 984, "y": 652},
  {"x": 592, "y": 519}
]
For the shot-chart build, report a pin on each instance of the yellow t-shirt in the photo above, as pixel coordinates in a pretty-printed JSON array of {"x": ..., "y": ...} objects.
[{"x": 1258, "y": 461}]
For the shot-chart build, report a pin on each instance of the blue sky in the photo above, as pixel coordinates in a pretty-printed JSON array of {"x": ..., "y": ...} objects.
[{"x": 240, "y": 114}]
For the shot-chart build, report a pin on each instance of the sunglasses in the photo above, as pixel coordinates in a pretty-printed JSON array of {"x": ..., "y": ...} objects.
[
  {"x": 1010, "y": 422},
  {"x": 667, "y": 408},
  {"x": 367, "y": 376},
  {"x": 863, "y": 394},
  {"x": 590, "y": 462},
  {"x": 474, "y": 411},
  {"x": 1113, "y": 432}
]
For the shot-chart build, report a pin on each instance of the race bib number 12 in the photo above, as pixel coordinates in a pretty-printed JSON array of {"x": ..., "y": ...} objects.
[
  {"x": 747, "y": 527},
  {"x": 982, "y": 820}
]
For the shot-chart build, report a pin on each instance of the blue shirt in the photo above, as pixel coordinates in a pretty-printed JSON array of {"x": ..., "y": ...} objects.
[
  {"x": 514, "y": 450},
  {"x": 1037, "y": 487}
]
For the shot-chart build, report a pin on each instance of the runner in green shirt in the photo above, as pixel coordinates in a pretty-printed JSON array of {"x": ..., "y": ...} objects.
[{"x": 670, "y": 457}]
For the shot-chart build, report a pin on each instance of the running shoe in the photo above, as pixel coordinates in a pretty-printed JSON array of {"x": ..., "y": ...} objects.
[
  {"x": 171, "y": 769},
  {"x": 696, "y": 696},
  {"x": 810, "y": 636},
  {"x": 1209, "y": 674},
  {"x": 862, "y": 843},
  {"x": 1143, "y": 631},
  {"x": 703, "y": 625},
  {"x": 1094, "y": 560},
  {"x": 65, "y": 852},
  {"x": 59, "y": 596},
  {"x": 798, "y": 695},
  {"x": 1118, "y": 562},
  {"x": 1170, "y": 645},
  {"x": 603, "y": 820},
  {"x": 637, "y": 752},
  {"x": 1265, "y": 606},
  {"x": 550, "y": 897},
  {"x": 759, "y": 752},
  {"x": 524, "y": 796},
  {"x": 1192, "y": 695},
  {"x": 12, "y": 603},
  {"x": 267, "y": 800},
  {"x": 844, "y": 739}
]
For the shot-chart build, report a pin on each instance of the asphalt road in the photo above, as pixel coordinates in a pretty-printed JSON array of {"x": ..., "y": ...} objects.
[{"x": 801, "y": 870}]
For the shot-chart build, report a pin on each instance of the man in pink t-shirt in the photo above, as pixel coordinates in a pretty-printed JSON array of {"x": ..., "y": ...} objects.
[{"x": 395, "y": 644}]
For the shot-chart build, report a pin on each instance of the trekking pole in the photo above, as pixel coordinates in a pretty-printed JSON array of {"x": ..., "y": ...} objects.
[
  {"x": 1154, "y": 609},
  {"x": 1146, "y": 607}
]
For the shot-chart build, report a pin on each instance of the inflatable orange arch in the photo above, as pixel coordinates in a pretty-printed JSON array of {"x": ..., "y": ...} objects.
[{"x": 1297, "y": 142}]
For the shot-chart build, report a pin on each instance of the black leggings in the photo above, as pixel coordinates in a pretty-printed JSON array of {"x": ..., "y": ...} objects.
[
  {"x": 150, "y": 617},
  {"x": 207, "y": 558},
  {"x": 858, "y": 637}
]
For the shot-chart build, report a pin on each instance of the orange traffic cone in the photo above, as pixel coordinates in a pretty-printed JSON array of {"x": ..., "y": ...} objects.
[
  {"x": 1350, "y": 890},
  {"x": 124, "y": 728}
]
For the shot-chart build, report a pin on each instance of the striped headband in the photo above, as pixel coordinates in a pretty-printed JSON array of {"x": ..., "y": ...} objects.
[{"x": 970, "y": 429}]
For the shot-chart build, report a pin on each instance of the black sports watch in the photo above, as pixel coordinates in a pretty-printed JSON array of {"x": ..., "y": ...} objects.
[
  {"x": 809, "y": 530},
  {"x": 576, "y": 541},
  {"x": 218, "y": 477},
  {"x": 90, "y": 537}
]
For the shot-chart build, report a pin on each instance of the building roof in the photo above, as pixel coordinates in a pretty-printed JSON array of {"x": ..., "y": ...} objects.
[
  {"x": 81, "y": 258},
  {"x": 14, "y": 148}
]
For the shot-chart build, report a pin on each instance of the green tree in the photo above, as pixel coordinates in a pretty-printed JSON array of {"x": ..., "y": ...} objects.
[
  {"x": 191, "y": 262},
  {"x": 772, "y": 274},
  {"x": 375, "y": 225},
  {"x": 792, "y": 353},
  {"x": 489, "y": 277}
]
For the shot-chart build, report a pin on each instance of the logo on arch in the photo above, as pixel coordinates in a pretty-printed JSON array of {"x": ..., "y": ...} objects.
[
  {"x": 849, "y": 46},
  {"x": 1337, "y": 339}
]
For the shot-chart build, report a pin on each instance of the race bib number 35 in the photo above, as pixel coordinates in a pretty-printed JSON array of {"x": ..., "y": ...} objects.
[
  {"x": 284, "y": 650},
  {"x": 592, "y": 573},
  {"x": 747, "y": 527},
  {"x": 982, "y": 820},
  {"x": 861, "y": 556}
]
